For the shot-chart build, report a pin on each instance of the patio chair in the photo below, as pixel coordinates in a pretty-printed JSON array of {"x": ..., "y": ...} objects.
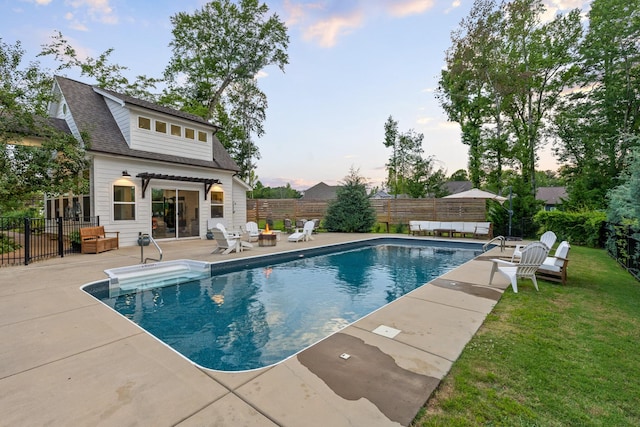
[
  {"x": 304, "y": 234},
  {"x": 548, "y": 238},
  {"x": 533, "y": 255},
  {"x": 253, "y": 231},
  {"x": 554, "y": 268},
  {"x": 243, "y": 245},
  {"x": 225, "y": 243},
  {"x": 288, "y": 225}
]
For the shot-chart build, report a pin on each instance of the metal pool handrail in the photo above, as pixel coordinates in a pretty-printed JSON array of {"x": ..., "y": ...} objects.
[
  {"x": 501, "y": 239},
  {"x": 144, "y": 260}
]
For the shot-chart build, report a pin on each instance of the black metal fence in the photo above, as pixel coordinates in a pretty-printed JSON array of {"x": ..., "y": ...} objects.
[
  {"x": 25, "y": 240},
  {"x": 623, "y": 244},
  {"x": 521, "y": 228}
]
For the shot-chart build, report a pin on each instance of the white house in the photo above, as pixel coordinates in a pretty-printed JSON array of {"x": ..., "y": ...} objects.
[{"x": 153, "y": 169}]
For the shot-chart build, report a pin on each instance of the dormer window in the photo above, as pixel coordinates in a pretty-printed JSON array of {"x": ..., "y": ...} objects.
[
  {"x": 202, "y": 136},
  {"x": 176, "y": 130},
  {"x": 144, "y": 123},
  {"x": 189, "y": 133},
  {"x": 161, "y": 126}
]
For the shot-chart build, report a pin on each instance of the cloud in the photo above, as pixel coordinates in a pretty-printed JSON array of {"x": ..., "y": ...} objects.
[
  {"x": 324, "y": 22},
  {"x": 96, "y": 10},
  {"x": 75, "y": 24},
  {"x": 409, "y": 7},
  {"x": 326, "y": 32},
  {"x": 455, "y": 4}
]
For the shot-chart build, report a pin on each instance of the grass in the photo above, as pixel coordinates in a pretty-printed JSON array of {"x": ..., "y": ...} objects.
[{"x": 564, "y": 356}]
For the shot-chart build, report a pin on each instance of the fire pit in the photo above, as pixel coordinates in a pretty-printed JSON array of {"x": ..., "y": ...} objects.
[{"x": 267, "y": 238}]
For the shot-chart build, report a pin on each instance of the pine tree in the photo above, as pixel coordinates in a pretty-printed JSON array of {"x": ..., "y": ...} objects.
[{"x": 351, "y": 212}]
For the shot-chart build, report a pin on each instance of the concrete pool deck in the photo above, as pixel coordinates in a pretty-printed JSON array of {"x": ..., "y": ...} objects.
[{"x": 67, "y": 359}]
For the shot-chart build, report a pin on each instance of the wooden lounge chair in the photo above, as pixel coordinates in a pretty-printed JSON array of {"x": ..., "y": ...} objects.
[
  {"x": 533, "y": 255},
  {"x": 554, "y": 268}
]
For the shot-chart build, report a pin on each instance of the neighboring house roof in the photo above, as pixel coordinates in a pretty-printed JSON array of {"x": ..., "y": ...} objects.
[
  {"x": 321, "y": 191},
  {"x": 381, "y": 195},
  {"x": 454, "y": 187},
  {"x": 551, "y": 195},
  {"x": 90, "y": 113}
]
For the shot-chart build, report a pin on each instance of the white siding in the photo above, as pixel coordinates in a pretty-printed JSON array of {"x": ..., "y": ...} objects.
[
  {"x": 107, "y": 172},
  {"x": 121, "y": 116},
  {"x": 239, "y": 203},
  {"x": 60, "y": 110},
  {"x": 150, "y": 140}
]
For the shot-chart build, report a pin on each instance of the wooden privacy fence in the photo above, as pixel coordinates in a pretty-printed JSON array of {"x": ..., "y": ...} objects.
[{"x": 389, "y": 211}]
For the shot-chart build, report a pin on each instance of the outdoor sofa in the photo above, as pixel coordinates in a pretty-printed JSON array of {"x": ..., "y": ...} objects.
[{"x": 451, "y": 228}]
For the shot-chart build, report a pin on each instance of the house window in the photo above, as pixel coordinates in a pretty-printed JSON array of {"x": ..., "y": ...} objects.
[
  {"x": 202, "y": 136},
  {"x": 176, "y": 130},
  {"x": 144, "y": 123},
  {"x": 161, "y": 126},
  {"x": 189, "y": 133},
  {"x": 124, "y": 202},
  {"x": 217, "y": 204}
]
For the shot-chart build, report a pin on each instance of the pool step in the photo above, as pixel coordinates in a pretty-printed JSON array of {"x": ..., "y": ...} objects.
[{"x": 126, "y": 280}]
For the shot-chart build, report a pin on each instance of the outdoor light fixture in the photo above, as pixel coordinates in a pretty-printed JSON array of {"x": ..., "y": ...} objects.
[{"x": 126, "y": 174}]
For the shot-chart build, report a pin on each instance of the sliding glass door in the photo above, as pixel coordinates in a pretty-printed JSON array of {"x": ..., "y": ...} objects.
[{"x": 175, "y": 213}]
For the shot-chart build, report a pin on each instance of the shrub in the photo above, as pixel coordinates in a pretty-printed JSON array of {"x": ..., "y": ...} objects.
[
  {"x": 351, "y": 211},
  {"x": 7, "y": 244},
  {"x": 585, "y": 228}
]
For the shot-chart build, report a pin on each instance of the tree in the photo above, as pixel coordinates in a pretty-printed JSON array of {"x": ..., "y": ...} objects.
[
  {"x": 351, "y": 211},
  {"x": 107, "y": 75},
  {"x": 598, "y": 124},
  {"x": 543, "y": 57},
  {"x": 624, "y": 199},
  {"x": 36, "y": 156},
  {"x": 462, "y": 89},
  {"x": 282, "y": 192},
  {"x": 459, "y": 175},
  {"x": 217, "y": 53},
  {"x": 408, "y": 171}
]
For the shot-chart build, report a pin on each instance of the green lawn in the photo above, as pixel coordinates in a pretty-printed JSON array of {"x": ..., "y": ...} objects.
[{"x": 564, "y": 356}]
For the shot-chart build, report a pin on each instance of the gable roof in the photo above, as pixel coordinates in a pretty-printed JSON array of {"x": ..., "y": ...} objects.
[
  {"x": 551, "y": 195},
  {"x": 454, "y": 187},
  {"x": 92, "y": 115},
  {"x": 321, "y": 191}
]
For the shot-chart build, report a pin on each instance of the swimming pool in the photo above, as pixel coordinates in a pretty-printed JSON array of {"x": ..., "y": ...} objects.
[{"x": 256, "y": 312}]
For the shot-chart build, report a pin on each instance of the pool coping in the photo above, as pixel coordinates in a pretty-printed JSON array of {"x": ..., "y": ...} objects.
[{"x": 74, "y": 361}]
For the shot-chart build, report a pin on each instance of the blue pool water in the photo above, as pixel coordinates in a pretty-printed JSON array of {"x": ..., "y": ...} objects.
[{"x": 259, "y": 316}]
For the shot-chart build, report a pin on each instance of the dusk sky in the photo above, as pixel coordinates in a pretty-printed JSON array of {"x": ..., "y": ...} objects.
[{"x": 352, "y": 64}]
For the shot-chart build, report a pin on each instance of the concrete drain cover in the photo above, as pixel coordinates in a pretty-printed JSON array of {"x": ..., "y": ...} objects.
[{"x": 386, "y": 331}]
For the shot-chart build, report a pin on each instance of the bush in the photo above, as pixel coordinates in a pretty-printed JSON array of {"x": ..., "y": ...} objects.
[
  {"x": 351, "y": 211},
  {"x": 7, "y": 244},
  {"x": 580, "y": 228}
]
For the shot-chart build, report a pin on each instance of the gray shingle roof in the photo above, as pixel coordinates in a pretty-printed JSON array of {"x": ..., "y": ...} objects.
[
  {"x": 91, "y": 114},
  {"x": 455, "y": 187},
  {"x": 551, "y": 195},
  {"x": 320, "y": 191}
]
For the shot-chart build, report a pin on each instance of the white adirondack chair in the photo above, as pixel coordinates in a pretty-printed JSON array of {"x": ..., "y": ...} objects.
[
  {"x": 548, "y": 238},
  {"x": 253, "y": 231},
  {"x": 304, "y": 234},
  {"x": 226, "y": 244},
  {"x": 533, "y": 255}
]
